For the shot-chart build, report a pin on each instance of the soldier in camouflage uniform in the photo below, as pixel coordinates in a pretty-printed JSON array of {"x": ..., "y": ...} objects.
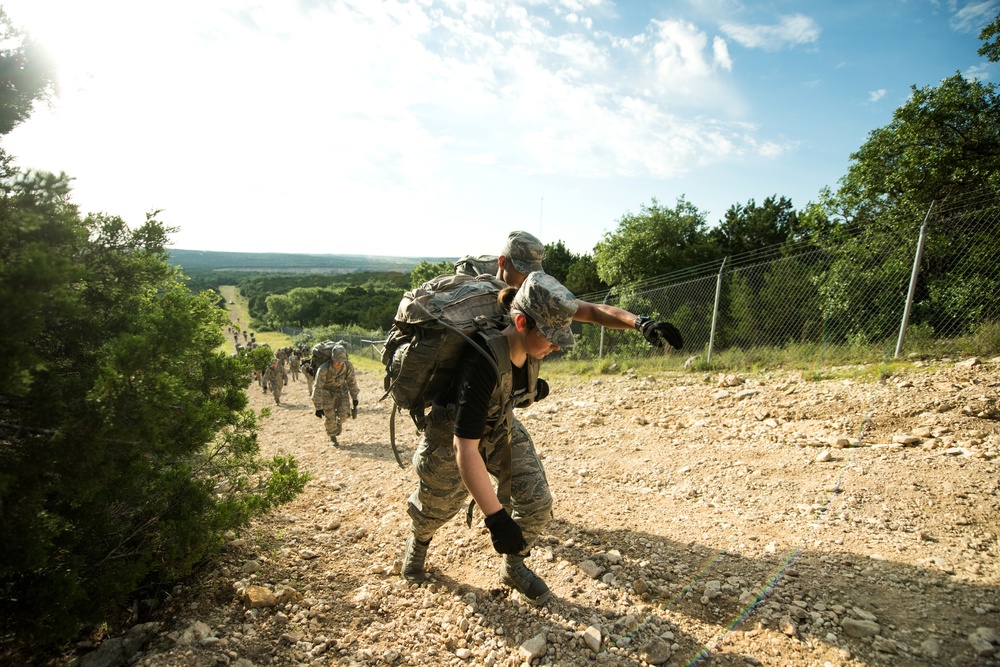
[
  {"x": 274, "y": 379},
  {"x": 523, "y": 253},
  {"x": 309, "y": 371},
  {"x": 335, "y": 384},
  {"x": 468, "y": 439}
]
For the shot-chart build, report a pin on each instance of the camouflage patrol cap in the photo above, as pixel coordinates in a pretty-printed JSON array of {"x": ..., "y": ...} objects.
[
  {"x": 525, "y": 251},
  {"x": 338, "y": 353},
  {"x": 545, "y": 300}
]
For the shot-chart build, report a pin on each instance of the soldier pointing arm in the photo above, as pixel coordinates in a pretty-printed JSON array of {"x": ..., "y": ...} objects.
[{"x": 523, "y": 253}]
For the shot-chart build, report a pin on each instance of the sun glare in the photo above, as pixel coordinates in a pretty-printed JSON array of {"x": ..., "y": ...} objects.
[{"x": 108, "y": 44}]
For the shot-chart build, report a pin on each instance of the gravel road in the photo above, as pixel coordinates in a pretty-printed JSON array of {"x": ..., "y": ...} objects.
[{"x": 759, "y": 519}]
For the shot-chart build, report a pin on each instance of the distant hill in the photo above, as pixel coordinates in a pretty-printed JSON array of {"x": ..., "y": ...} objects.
[{"x": 275, "y": 262}]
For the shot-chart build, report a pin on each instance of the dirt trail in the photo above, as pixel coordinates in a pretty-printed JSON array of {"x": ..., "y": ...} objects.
[{"x": 698, "y": 520}]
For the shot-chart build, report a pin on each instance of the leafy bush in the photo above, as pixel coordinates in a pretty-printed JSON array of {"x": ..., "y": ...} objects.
[{"x": 126, "y": 446}]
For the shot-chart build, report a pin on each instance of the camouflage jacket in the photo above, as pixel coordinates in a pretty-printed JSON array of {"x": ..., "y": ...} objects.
[
  {"x": 330, "y": 383},
  {"x": 275, "y": 375}
]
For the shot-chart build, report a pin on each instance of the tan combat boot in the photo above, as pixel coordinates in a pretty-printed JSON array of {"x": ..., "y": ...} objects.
[
  {"x": 413, "y": 560},
  {"x": 518, "y": 576}
]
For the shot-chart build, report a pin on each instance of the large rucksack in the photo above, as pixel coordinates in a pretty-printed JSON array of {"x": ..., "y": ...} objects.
[
  {"x": 478, "y": 265},
  {"x": 321, "y": 353},
  {"x": 432, "y": 327}
]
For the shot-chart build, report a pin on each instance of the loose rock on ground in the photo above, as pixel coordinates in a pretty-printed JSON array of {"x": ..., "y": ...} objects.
[{"x": 759, "y": 519}]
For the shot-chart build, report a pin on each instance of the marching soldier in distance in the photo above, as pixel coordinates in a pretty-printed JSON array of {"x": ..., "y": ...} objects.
[{"x": 335, "y": 392}]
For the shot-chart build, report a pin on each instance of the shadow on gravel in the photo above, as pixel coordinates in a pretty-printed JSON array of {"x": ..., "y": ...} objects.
[
  {"x": 563, "y": 615},
  {"x": 296, "y": 406},
  {"x": 376, "y": 451},
  {"x": 809, "y": 596}
]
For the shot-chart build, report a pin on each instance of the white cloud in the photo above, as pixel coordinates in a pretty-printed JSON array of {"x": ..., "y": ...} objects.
[
  {"x": 278, "y": 112},
  {"x": 721, "y": 53},
  {"x": 679, "y": 50},
  {"x": 579, "y": 6},
  {"x": 876, "y": 95},
  {"x": 577, "y": 20},
  {"x": 678, "y": 55},
  {"x": 979, "y": 72},
  {"x": 771, "y": 149},
  {"x": 789, "y": 31},
  {"x": 974, "y": 16}
]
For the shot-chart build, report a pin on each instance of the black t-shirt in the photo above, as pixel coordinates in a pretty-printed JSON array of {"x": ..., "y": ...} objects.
[{"x": 472, "y": 389}]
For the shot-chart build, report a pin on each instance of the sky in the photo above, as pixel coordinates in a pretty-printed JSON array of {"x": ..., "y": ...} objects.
[{"x": 432, "y": 128}]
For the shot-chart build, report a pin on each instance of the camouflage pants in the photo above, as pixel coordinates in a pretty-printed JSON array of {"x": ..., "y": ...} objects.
[
  {"x": 275, "y": 388},
  {"x": 441, "y": 492},
  {"x": 336, "y": 409}
]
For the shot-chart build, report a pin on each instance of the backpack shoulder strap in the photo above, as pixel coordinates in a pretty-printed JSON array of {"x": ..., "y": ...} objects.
[{"x": 499, "y": 349}]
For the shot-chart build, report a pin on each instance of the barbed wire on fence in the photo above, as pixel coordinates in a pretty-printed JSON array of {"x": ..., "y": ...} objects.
[{"x": 849, "y": 289}]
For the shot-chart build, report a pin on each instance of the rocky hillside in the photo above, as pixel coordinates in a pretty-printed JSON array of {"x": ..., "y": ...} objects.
[{"x": 758, "y": 520}]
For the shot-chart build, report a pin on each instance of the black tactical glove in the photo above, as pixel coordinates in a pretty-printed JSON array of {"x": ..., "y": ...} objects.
[
  {"x": 354, "y": 409},
  {"x": 659, "y": 332},
  {"x": 320, "y": 413},
  {"x": 505, "y": 533},
  {"x": 541, "y": 389}
]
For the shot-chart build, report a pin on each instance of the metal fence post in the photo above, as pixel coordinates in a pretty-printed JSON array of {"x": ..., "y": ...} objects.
[
  {"x": 600, "y": 348},
  {"x": 913, "y": 283},
  {"x": 715, "y": 309}
]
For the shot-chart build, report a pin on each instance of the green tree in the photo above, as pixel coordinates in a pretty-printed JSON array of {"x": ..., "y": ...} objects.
[
  {"x": 379, "y": 316},
  {"x": 814, "y": 221},
  {"x": 582, "y": 277},
  {"x": 751, "y": 227},
  {"x": 991, "y": 49},
  {"x": 945, "y": 140},
  {"x": 27, "y": 75},
  {"x": 424, "y": 271},
  {"x": 558, "y": 260},
  {"x": 126, "y": 445},
  {"x": 942, "y": 145},
  {"x": 281, "y": 310},
  {"x": 370, "y": 307},
  {"x": 656, "y": 241},
  {"x": 772, "y": 305}
]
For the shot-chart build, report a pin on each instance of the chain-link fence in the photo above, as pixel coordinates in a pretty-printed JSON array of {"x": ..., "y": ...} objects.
[
  {"x": 361, "y": 343},
  {"x": 881, "y": 286},
  {"x": 932, "y": 284}
]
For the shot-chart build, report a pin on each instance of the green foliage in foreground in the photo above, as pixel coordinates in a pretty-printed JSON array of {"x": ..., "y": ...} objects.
[{"x": 126, "y": 446}]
